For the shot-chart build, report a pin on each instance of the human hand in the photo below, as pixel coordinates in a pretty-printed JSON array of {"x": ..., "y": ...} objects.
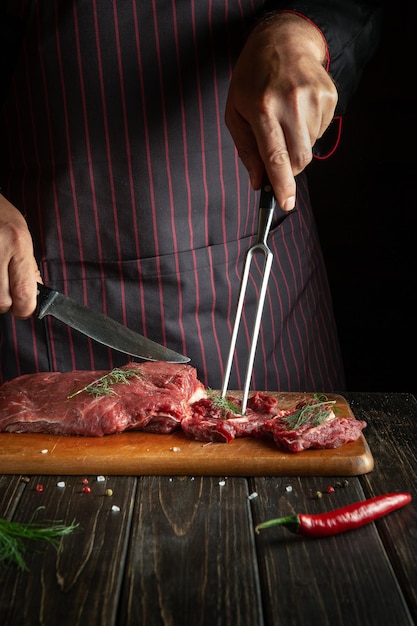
[
  {"x": 18, "y": 269},
  {"x": 280, "y": 101}
]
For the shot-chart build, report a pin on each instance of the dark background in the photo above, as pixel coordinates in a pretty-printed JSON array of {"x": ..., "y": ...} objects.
[{"x": 364, "y": 197}]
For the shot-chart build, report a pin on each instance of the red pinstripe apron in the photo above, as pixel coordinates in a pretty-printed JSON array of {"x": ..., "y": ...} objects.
[{"x": 114, "y": 147}]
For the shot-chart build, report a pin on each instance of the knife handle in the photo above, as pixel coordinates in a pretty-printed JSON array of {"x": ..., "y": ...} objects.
[{"x": 45, "y": 298}]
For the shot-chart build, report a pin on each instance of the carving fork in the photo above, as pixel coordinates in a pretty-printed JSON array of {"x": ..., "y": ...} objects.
[{"x": 267, "y": 205}]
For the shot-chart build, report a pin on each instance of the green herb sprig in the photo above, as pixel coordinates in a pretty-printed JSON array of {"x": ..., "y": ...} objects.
[
  {"x": 15, "y": 535},
  {"x": 315, "y": 411},
  {"x": 224, "y": 405},
  {"x": 103, "y": 385}
]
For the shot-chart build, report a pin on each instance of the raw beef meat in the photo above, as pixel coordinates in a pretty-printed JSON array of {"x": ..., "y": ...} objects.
[
  {"x": 159, "y": 397},
  {"x": 156, "y": 396},
  {"x": 216, "y": 421},
  {"x": 330, "y": 433},
  {"x": 264, "y": 418}
]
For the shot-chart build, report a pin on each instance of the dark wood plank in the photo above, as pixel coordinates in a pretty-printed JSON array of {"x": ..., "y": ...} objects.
[
  {"x": 192, "y": 555},
  {"x": 11, "y": 488},
  {"x": 80, "y": 583},
  {"x": 340, "y": 580},
  {"x": 392, "y": 430}
]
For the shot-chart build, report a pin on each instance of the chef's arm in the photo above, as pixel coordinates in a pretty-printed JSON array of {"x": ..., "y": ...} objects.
[
  {"x": 298, "y": 69},
  {"x": 18, "y": 269}
]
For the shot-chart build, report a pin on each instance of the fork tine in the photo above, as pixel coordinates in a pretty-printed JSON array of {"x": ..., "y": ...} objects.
[{"x": 267, "y": 206}]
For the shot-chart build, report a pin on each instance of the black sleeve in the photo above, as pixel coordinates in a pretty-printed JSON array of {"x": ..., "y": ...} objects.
[{"x": 352, "y": 29}]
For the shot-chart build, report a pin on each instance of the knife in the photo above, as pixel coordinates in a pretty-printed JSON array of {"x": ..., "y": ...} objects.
[{"x": 101, "y": 328}]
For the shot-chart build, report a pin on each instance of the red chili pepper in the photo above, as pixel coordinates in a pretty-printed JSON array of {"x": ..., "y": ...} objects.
[{"x": 343, "y": 519}]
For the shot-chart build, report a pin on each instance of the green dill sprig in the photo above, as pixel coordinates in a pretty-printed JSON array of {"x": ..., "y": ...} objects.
[
  {"x": 103, "y": 385},
  {"x": 14, "y": 538},
  {"x": 224, "y": 405},
  {"x": 316, "y": 411}
]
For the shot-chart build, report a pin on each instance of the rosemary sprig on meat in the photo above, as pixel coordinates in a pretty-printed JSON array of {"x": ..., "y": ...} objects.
[
  {"x": 103, "y": 385},
  {"x": 224, "y": 405},
  {"x": 316, "y": 411},
  {"x": 14, "y": 538}
]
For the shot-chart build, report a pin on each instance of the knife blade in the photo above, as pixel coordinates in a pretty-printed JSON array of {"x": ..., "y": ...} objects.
[{"x": 101, "y": 328}]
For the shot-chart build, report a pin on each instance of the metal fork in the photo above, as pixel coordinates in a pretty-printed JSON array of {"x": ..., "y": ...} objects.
[{"x": 267, "y": 206}]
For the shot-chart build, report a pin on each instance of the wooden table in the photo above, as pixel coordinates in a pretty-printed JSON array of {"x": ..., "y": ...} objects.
[{"x": 183, "y": 551}]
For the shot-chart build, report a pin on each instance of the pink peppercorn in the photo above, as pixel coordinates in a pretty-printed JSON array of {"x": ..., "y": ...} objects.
[
  {"x": 87, "y": 489},
  {"x": 329, "y": 489},
  {"x": 39, "y": 487},
  {"x": 85, "y": 481}
]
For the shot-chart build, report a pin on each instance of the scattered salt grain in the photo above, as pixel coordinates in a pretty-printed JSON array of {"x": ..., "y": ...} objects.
[
  {"x": 101, "y": 479},
  {"x": 252, "y": 496},
  {"x": 115, "y": 508},
  {"x": 44, "y": 451},
  {"x": 222, "y": 483},
  {"x": 175, "y": 449},
  {"x": 61, "y": 484},
  {"x": 288, "y": 488}
]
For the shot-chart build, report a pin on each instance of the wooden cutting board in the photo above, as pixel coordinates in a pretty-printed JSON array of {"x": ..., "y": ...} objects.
[{"x": 137, "y": 453}]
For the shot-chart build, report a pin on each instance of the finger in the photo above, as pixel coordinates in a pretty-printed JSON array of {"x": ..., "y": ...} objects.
[
  {"x": 23, "y": 278},
  {"x": 273, "y": 149},
  {"x": 5, "y": 296}
]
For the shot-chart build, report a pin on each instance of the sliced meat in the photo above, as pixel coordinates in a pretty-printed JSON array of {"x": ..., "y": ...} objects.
[
  {"x": 155, "y": 391},
  {"x": 216, "y": 421},
  {"x": 332, "y": 433},
  {"x": 264, "y": 418}
]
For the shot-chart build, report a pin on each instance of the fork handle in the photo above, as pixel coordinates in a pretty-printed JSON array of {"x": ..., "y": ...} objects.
[{"x": 267, "y": 207}]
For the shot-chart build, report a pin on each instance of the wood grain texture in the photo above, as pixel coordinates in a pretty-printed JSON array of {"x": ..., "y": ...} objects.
[
  {"x": 333, "y": 581},
  {"x": 392, "y": 427},
  {"x": 193, "y": 534},
  {"x": 79, "y": 583},
  {"x": 138, "y": 453}
]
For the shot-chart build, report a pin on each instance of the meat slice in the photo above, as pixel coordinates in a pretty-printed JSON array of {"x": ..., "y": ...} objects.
[
  {"x": 221, "y": 421},
  {"x": 331, "y": 432},
  {"x": 155, "y": 392}
]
